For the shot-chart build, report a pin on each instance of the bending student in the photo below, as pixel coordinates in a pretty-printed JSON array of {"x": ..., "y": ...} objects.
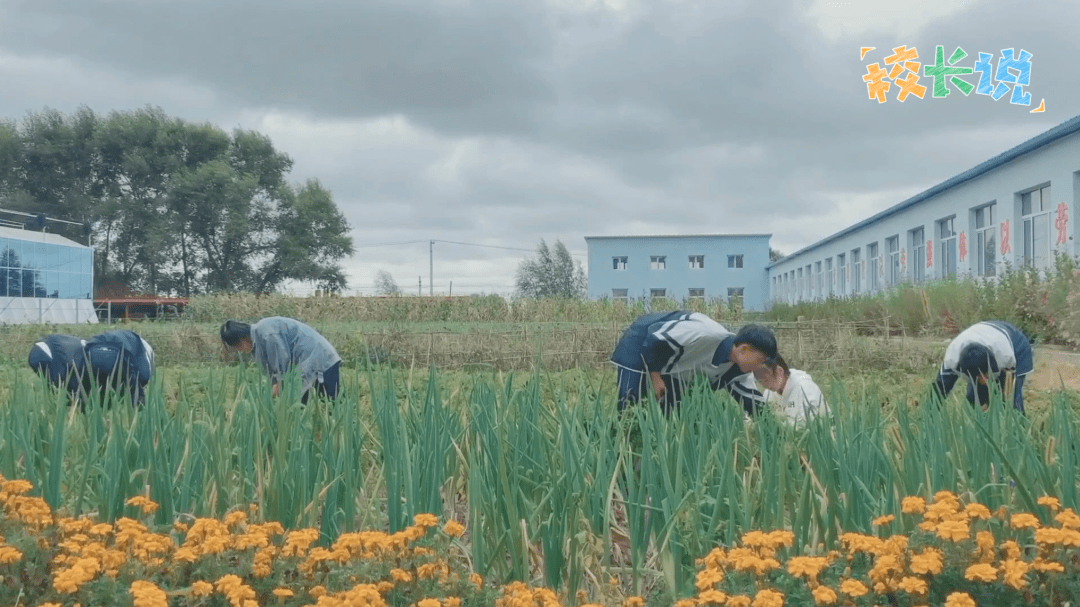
[
  {"x": 278, "y": 343},
  {"x": 671, "y": 348},
  {"x": 62, "y": 359},
  {"x": 798, "y": 396},
  {"x": 989, "y": 348},
  {"x": 121, "y": 360}
]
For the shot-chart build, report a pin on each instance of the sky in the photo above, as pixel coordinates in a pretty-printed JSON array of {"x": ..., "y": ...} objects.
[{"x": 503, "y": 122}]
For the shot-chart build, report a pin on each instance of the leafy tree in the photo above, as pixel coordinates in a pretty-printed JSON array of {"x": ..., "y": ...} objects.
[
  {"x": 385, "y": 285},
  {"x": 774, "y": 254},
  {"x": 553, "y": 273}
]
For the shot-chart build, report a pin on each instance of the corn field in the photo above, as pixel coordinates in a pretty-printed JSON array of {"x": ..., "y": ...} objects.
[{"x": 552, "y": 484}]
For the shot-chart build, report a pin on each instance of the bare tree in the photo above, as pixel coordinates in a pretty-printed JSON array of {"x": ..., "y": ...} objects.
[{"x": 385, "y": 285}]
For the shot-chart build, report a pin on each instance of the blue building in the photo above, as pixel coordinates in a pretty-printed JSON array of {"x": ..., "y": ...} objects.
[
  {"x": 45, "y": 278},
  {"x": 1016, "y": 209},
  {"x": 707, "y": 266}
]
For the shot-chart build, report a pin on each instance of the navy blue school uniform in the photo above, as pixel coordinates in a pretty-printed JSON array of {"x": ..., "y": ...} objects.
[
  {"x": 61, "y": 358},
  {"x": 120, "y": 359},
  {"x": 1008, "y": 345},
  {"x": 680, "y": 346}
]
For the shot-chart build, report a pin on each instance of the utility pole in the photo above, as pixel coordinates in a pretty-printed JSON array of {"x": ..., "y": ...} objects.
[
  {"x": 419, "y": 285},
  {"x": 431, "y": 268}
]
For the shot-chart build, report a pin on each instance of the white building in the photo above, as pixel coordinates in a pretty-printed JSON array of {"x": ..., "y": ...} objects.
[
  {"x": 45, "y": 278},
  {"x": 1019, "y": 208}
]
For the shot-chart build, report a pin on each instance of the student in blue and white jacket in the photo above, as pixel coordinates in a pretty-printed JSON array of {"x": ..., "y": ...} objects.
[
  {"x": 667, "y": 350},
  {"x": 61, "y": 358},
  {"x": 279, "y": 344},
  {"x": 989, "y": 348},
  {"x": 122, "y": 360}
]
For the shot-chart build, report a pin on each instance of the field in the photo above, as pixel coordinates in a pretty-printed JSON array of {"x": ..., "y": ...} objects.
[{"x": 508, "y": 426}]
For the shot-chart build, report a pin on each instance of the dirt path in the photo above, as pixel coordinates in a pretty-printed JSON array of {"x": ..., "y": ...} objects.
[{"x": 1054, "y": 367}]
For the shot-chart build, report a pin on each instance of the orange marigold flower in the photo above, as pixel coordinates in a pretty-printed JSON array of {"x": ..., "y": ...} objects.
[
  {"x": 144, "y": 503},
  {"x": 1068, "y": 519},
  {"x": 982, "y": 572},
  {"x": 282, "y": 593},
  {"x": 202, "y": 589},
  {"x": 928, "y": 561},
  {"x": 823, "y": 595},
  {"x": 1014, "y": 573},
  {"x": 952, "y": 530},
  {"x": 453, "y": 528},
  {"x": 1050, "y": 502},
  {"x": 883, "y": 520},
  {"x": 1047, "y": 566},
  {"x": 452, "y": 601},
  {"x": 634, "y": 601},
  {"x": 977, "y": 511},
  {"x": 1011, "y": 549},
  {"x": 479, "y": 581},
  {"x": 429, "y": 603},
  {"x": 739, "y": 600},
  {"x": 147, "y": 594},
  {"x": 959, "y": 599},
  {"x": 1023, "y": 520},
  {"x": 317, "y": 591},
  {"x": 768, "y": 598},
  {"x": 707, "y": 578},
  {"x": 853, "y": 588},
  {"x": 687, "y": 602},
  {"x": 808, "y": 566},
  {"x": 913, "y": 505},
  {"x": 9, "y": 554},
  {"x": 400, "y": 575},
  {"x": 913, "y": 585},
  {"x": 425, "y": 520},
  {"x": 711, "y": 597}
]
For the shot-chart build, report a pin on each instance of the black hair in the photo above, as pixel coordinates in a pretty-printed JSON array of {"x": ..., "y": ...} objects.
[
  {"x": 233, "y": 331},
  {"x": 760, "y": 337},
  {"x": 976, "y": 360},
  {"x": 778, "y": 361}
]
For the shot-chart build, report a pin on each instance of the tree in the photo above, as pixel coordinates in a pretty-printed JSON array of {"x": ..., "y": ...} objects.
[
  {"x": 553, "y": 273},
  {"x": 385, "y": 285},
  {"x": 774, "y": 254}
]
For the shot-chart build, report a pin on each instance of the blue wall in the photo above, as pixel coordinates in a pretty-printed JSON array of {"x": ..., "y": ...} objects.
[
  {"x": 678, "y": 277},
  {"x": 41, "y": 269}
]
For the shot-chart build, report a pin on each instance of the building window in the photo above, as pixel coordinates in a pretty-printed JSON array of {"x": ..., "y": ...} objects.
[
  {"x": 697, "y": 294},
  {"x": 856, "y": 271},
  {"x": 830, "y": 277},
  {"x": 657, "y": 293},
  {"x": 734, "y": 261},
  {"x": 697, "y": 262},
  {"x": 872, "y": 266},
  {"x": 620, "y": 294},
  {"x": 893, "y": 275},
  {"x": 799, "y": 285},
  {"x": 618, "y": 263},
  {"x": 1035, "y": 209},
  {"x": 841, "y": 271},
  {"x": 658, "y": 262},
  {"x": 917, "y": 263},
  {"x": 820, "y": 281},
  {"x": 947, "y": 247},
  {"x": 986, "y": 240},
  {"x": 735, "y": 295},
  {"x": 809, "y": 281}
]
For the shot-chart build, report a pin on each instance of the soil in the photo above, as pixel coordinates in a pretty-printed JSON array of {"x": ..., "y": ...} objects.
[{"x": 1054, "y": 367}]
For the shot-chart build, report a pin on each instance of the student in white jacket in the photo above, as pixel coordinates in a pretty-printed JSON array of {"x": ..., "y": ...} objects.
[{"x": 794, "y": 393}]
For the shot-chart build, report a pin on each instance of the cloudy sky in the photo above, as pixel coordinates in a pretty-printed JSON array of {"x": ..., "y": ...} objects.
[{"x": 501, "y": 122}]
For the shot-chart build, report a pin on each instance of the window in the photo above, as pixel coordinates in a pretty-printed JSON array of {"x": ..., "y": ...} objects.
[
  {"x": 841, "y": 271},
  {"x": 986, "y": 240},
  {"x": 619, "y": 294},
  {"x": 697, "y": 262},
  {"x": 947, "y": 247},
  {"x": 656, "y": 293},
  {"x": 872, "y": 266},
  {"x": 820, "y": 281},
  {"x": 618, "y": 263},
  {"x": 697, "y": 293},
  {"x": 918, "y": 255},
  {"x": 735, "y": 296},
  {"x": 893, "y": 274},
  {"x": 809, "y": 281},
  {"x": 1035, "y": 209},
  {"x": 658, "y": 262},
  {"x": 799, "y": 285},
  {"x": 856, "y": 271},
  {"x": 734, "y": 261},
  {"x": 830, "y": 277}
]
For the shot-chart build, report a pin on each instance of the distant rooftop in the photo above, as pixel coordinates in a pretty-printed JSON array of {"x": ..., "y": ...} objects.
[
  {"x": 684, "y": 236},
  {"x": 1064, "y": 129},
  {"x": 35, "y": 236}
]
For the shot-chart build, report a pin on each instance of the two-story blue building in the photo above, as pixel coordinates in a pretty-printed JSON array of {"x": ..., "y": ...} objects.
[{"x": 706, "y": 266}]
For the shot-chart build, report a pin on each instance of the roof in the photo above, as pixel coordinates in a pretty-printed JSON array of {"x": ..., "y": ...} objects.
[
  {"x": 43, "y": 237},
  {"x": 683, "y": 236},
  {"x": 1064, "y": 129}
]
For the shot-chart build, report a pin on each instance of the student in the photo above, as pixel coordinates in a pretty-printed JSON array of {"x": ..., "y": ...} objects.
[
  {"x": 794, "y": 391},
  {"x": 989, "y": 348},
  {"x": 279, "y": 343},
  {"x": 121, "y": 360},
  {"x": 666, "y": 350},
  {"x": 61, "y": 358}
]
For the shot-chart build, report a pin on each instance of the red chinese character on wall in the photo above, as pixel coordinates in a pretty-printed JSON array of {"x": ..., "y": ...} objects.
[
  {"x": 929, "y": 253},
  {"x": 903, "y": 260},
  {"x": 1062, "y": 222},
  {"x": 963, "y": 246},
  {"x": 1006, "y": 244}
]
